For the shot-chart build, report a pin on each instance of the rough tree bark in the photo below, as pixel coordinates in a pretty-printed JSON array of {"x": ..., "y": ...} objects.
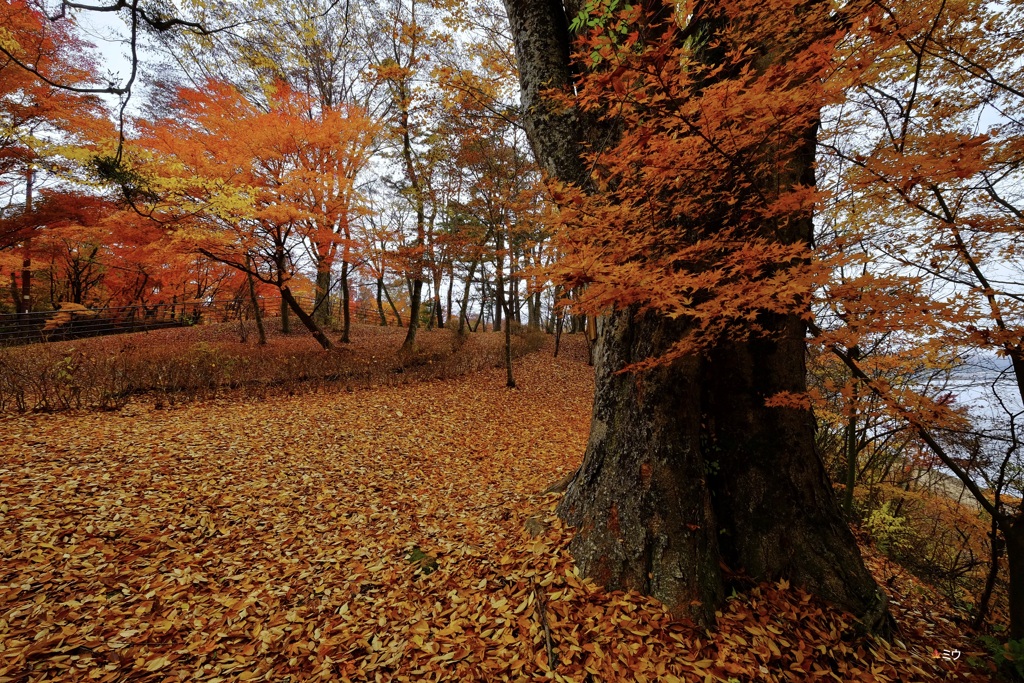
[
  {"x": 346, "y": 312},
  {"x": 640, "y": 502},
  {"x": 686, "y": 468},
  {"x": 256, "y": 312}
]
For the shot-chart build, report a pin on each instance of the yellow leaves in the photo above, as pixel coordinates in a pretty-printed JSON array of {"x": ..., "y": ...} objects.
[
  {"x": 8, "y": 41},
  {"x": 157, "y": 664}
]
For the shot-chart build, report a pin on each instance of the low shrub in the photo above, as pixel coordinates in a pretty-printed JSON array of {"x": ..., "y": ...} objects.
[
  {"x": 185, "y": 364},
  {"x": 938, "y": 539}
]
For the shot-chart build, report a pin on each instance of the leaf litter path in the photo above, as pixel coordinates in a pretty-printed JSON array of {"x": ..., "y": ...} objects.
[{"x": 375, "y": 535}]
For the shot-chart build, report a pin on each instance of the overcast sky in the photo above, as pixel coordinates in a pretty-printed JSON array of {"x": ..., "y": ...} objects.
[{"x": 108, "y": 33}]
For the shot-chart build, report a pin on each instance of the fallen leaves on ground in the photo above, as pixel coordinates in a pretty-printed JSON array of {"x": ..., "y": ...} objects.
[{"x": 373, "y": 535}]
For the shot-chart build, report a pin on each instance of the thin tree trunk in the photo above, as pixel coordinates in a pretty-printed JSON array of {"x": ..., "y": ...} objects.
[
  {"x": 484, "y": 302},
  {"x": 464, "y": 309},
  {"x": 448, "y": 303},
  {"x": 499, "y": 282},
  {"x": 416, "y": 286},
  {"x": 346, "y": 314},
  {"x": 517, "y": 304},
  {"x": 256, "y": 312},
  {"x": 559, "y": 321},
  {"x": 15, "y": 292},
  {"x": 590, "y": 333},
  {"x": 380, "y": 304},
  {"x": 851, "y": 456},
  {"x": 438, "y": 312},
  {"x": 305, "y": 318},
  {"x": 533, "y": 308},
  {"x": 483, "y": 306},
  {"x": 391, "y": 303},
  {"x": 430, "y": 318},
  {"x": 510, "y": 381},
  {"x": 996, "y": 551},
  {"x": 1013, "y": 532}
]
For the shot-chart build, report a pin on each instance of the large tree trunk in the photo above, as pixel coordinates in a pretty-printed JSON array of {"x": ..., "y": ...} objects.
[
  {"x": 639, "y": 502},
  {"x": 771, "y": 493},
  {"x": 286, "y": 325},
  {"x": 686, "y": 467}
]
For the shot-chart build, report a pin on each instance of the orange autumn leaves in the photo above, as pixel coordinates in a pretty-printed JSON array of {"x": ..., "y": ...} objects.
[
  {"x": 893, "y": 124},
  {"x": 699, "y": 206},
  {"x": 239, "y": 180}
]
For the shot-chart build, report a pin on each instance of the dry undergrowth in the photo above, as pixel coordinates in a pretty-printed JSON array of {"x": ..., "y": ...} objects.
[
  {"x": 367, "y": 535},
  {"x": 186, "y": 364}
]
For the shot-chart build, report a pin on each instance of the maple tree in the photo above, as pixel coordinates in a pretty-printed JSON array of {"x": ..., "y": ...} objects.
[
  {"x": 43, "y": 129},
  {"x": 315, "y": 48},
  {"x": 690, "y": 147},
  {"x": 250, "y": 187}
]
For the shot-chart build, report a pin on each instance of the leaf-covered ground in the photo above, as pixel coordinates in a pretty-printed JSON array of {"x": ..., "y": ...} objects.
[{"x": 367, "y": 535}]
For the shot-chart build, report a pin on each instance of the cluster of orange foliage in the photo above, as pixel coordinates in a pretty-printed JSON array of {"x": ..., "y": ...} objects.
[
  {"x": 239, "y": 182},
  {"x": 913, "y": 110},
  {"x": 51, "y": 133}
]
